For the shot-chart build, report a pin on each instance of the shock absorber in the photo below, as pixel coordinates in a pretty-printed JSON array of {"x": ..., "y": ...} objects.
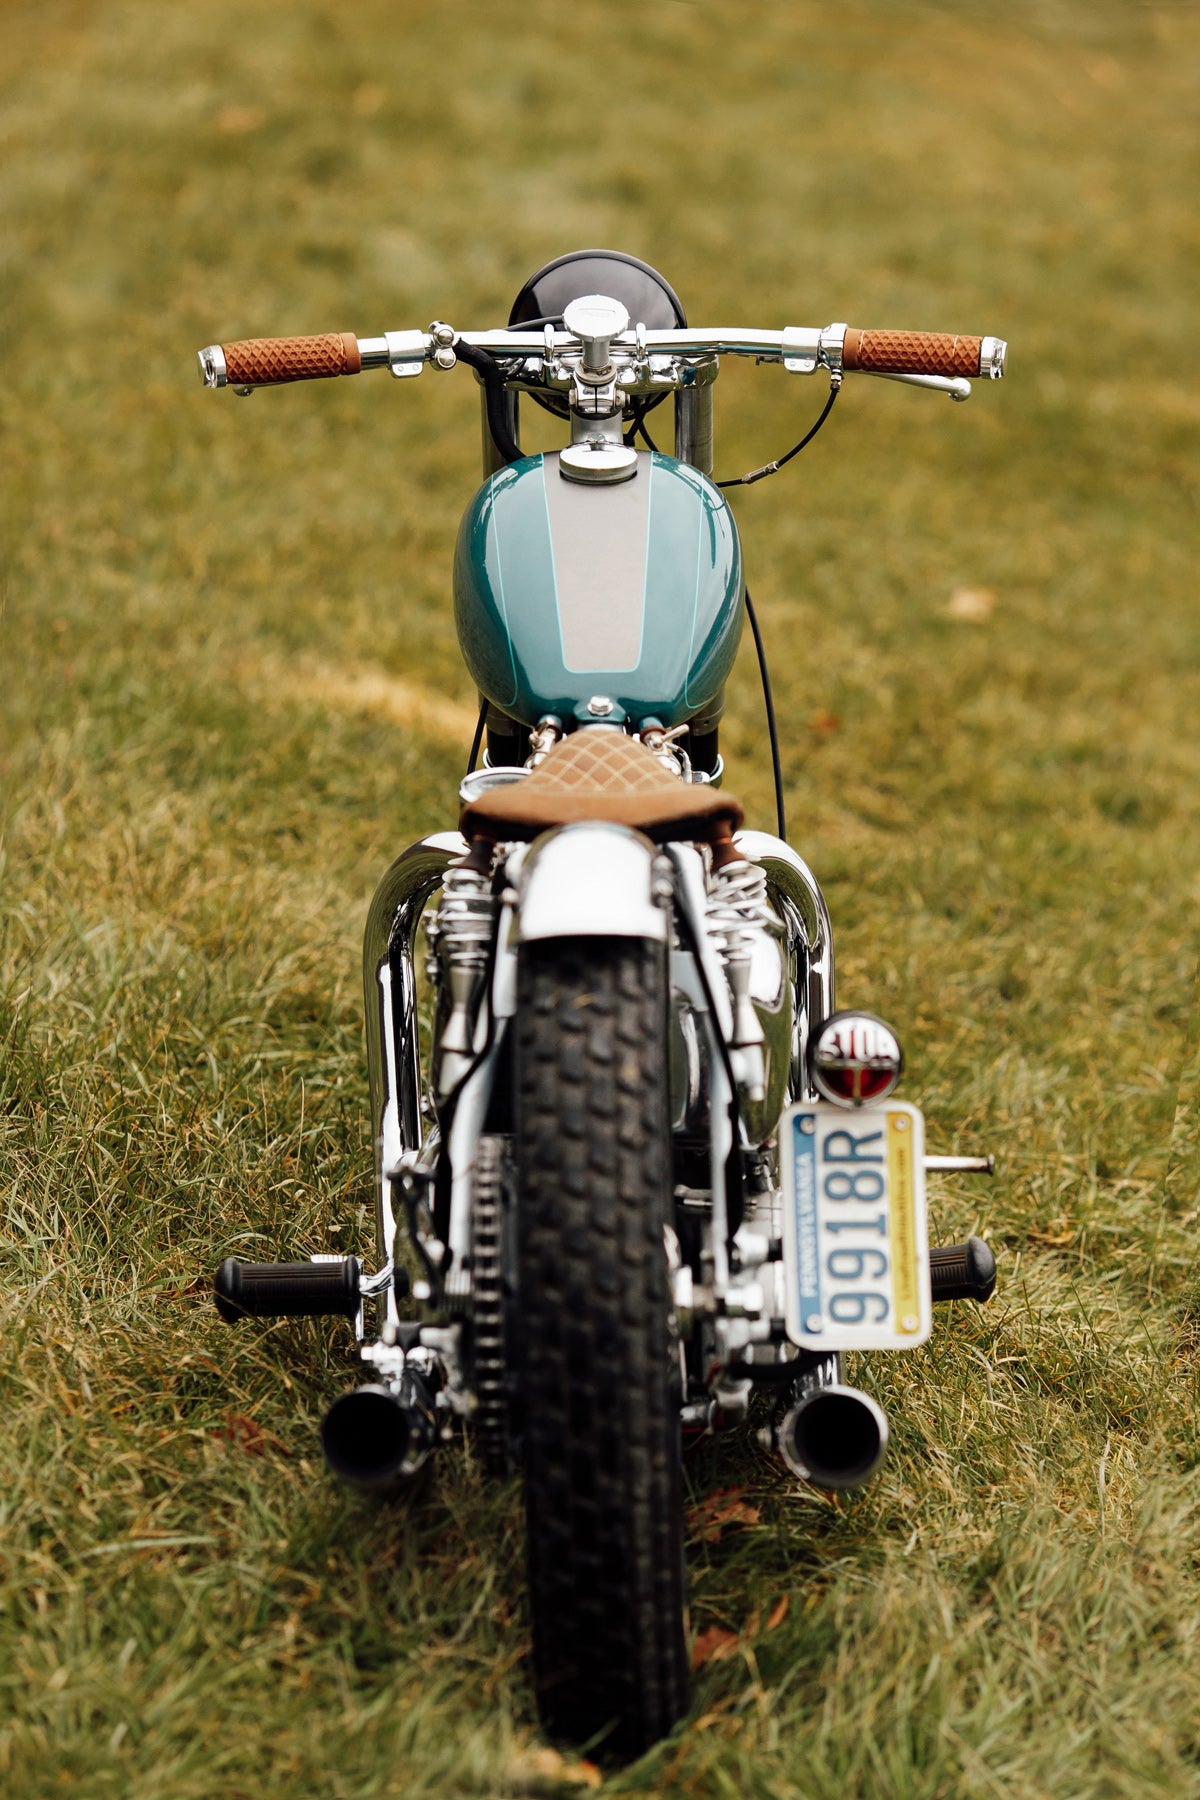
[
  {"x": 459, "y": 936},
  {"x": 737, "y": 912}
]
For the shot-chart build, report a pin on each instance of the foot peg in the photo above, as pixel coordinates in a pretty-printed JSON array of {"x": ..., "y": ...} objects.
[
  {"x": 962, "y": 1271},
  {"x": 288, "y": 1290}
]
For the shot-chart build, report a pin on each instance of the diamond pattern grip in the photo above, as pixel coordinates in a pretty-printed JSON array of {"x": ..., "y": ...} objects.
[
  {"x": 266, "y": 362},
  {"x": 911, "y": 353}
]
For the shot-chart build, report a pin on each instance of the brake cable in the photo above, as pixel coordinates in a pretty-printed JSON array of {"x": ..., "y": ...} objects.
[
  {"x": 771, "y": 468},
  {"x": 835, "y": 388}
]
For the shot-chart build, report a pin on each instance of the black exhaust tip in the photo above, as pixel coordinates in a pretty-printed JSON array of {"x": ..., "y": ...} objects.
[
  {"x": 367, "y": 1436},
  {"x": 835, "y": 1437}
]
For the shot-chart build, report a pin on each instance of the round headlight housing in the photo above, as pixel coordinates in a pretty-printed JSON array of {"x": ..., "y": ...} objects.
[
  {"x": 647, "y": 297},
  {"x": 855, "y": 1059}
]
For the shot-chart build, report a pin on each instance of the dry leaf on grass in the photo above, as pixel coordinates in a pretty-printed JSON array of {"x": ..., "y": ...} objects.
[
  {"x": 725, "y": 1507},
  {"x": 714, "y": 1645},
  {"x": 971, "y": 603},
  {"x": 721, "y": 1719},
  {"x": 823, "y": 721},
  {"x": 550, "y": 1766},
  {"x": 243, "y": 1433},
  {"x": 1055, "y": 1236},
  {"x": 717, "y": 1644}
]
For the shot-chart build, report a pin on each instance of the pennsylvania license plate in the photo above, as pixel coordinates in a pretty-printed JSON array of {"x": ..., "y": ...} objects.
[{"x": 855, "y": 1240}]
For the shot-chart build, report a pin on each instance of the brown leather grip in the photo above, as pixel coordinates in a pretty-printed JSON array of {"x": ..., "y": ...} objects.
[
  {"x": 911, "y": 353},
  {"x": 266, "y": 362}
]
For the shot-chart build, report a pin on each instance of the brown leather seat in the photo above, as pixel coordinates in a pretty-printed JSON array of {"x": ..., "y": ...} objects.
[{"x": 598, "y": 773}]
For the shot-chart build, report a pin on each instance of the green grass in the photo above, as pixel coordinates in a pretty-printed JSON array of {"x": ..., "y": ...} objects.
[{"x": 218, "y": 619}]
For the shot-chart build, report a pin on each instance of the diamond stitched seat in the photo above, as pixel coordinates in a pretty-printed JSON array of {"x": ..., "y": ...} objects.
[{"x": 599, "y": 773}]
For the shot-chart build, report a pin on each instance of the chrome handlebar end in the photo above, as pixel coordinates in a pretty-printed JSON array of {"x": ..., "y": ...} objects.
[
  {"x": 212, "y": 367},
  {"x": 992, "y": 354}
]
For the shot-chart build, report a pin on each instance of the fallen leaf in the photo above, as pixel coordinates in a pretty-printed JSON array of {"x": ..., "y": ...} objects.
[
  {"x": 246, "y": 1434},
  {"x": 237, "y": 120},
  {"x": 971, "y": 603},
  {"x": 727, "y": 1726},
  {"x": 823, "y": 721},
  {"x": 779, "y": 1612},
  {"x": 724, "y": 1507},
  {"x": 553, "y": 1767},
  {"x": 1056, "y": 1234},
  {"x": 714, "y": 1645}
]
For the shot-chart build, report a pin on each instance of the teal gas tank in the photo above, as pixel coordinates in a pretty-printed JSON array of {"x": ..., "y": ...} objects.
[{"x": 564, "y": 590}]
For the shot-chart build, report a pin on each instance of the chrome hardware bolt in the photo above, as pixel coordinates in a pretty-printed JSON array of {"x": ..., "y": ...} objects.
[
  {"x": 542, "y": 740},
  {"x": 600, "y": 706}
]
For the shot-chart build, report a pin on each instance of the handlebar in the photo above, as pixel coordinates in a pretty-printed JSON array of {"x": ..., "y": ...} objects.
[
  {"x": 915, "y": 353},
  {"x": 268, "y": 362},
  {"x": 643, "y": 361}
]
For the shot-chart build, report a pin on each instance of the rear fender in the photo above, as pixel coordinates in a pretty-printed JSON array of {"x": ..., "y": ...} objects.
[{"x": 593, "y": 880}]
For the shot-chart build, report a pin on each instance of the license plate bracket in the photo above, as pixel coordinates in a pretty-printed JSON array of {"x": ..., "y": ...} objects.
[{"x": 856, "y": 1241}]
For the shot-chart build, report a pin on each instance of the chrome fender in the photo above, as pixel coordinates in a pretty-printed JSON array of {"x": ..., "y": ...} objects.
[
  {"x": 592, "y": 880},
  {"x": 809, "y": 938}
]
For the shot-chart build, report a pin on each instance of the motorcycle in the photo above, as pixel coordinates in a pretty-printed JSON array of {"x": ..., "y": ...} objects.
[{"x": 648, "y": 1175}]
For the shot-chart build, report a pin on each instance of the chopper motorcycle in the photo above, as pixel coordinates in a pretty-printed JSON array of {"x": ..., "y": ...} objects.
[{"x": 633, "y": 1165}]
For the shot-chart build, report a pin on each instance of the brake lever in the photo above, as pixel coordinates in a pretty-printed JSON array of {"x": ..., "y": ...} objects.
[{"x": 957, "y": 386}]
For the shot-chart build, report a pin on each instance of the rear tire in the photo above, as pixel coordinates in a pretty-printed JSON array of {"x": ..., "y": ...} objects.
[{"x": 599, "y": 1367}]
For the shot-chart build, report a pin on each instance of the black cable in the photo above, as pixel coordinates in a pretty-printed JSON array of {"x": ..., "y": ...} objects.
[
  {"x": 554, "y": 319},
  {"x": 641, "y": 426},
  {"x": 769, "y": 703},
  {"x": 767, "y": 468},
  {"x": 477, "y": 739},
  {"x": 485, "y": 364},
  {"x": 835, "y": 388}
]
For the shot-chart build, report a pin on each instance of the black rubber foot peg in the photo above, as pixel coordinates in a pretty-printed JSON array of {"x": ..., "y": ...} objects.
[
  {"x": 286, "y": 1290},
  {"x": 962, "y": 1271}
]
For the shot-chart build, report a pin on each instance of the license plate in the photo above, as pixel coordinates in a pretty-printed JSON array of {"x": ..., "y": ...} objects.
[{"x": 855, "y": 1238}]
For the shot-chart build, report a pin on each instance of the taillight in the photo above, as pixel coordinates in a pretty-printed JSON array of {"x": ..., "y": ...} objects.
[{"x": 855, "y": 1058}]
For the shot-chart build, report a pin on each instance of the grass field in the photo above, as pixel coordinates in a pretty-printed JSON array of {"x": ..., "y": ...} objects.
[{"x": 232, "y": 693}]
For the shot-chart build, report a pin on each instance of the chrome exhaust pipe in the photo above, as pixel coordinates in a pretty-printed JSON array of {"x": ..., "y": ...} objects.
[
  {"x": 833, "y": 1436},
  {"x": 378, "y": 1437}
]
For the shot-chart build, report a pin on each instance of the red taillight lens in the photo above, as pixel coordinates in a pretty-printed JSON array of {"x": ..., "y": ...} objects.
[{"x": 855, "y": 1058}]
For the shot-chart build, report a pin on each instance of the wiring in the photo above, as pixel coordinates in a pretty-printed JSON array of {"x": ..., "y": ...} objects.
[
  {"x": 772, "y": 728},
  {"x": 770, "y": 468},
  {"x": 477, "y": 740}
]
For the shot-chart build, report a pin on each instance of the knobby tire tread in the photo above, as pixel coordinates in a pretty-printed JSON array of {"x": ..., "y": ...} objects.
[{"x": 599, "y": 1364}]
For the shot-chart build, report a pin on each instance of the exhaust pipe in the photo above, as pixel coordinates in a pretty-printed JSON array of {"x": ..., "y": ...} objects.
[
  {"x": 833, "y": 1436},
  {"x": 377, "y": 1437}
]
